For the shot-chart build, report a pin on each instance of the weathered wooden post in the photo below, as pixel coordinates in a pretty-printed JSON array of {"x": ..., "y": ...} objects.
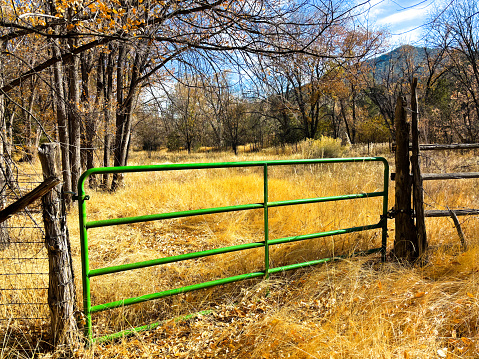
[
  {"x": 406, "y": 237},
  {"x": 23, "y": 202},
  {"x": 418, "y": 195},
  {"x": 61, "y": 291},
  {"x": 4, "y": 235}
]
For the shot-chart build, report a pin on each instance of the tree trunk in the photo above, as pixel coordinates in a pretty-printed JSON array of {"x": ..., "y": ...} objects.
[
  {"x": 123, "y": 116},
  {"x": 91, "y": 121},
  {"x": 353, "y": 120},
  {"x": 8, "y": 148},
  {"x": 107, "y": 111},
  {"x": 125, "y": 140},
  {"x": 346, "y": 123},
  {"x": 74, "y": 119},
  {"x": 62, "y": 122},
  {"x": 120, "y": 116},
  {"x": 61, "y": 290},
  {"x": 59, "y": 97},
  {"x": 4, "y": 235},
  {"x": 26, "y": 112}
]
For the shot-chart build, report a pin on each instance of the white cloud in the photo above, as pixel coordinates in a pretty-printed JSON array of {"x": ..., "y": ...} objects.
[
  {"x": 374, "y": 9},
  {"x": 403, "y": 17}
]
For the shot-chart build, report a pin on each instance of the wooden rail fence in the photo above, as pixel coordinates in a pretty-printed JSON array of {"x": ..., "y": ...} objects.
[{"x": 410, "y": 238}]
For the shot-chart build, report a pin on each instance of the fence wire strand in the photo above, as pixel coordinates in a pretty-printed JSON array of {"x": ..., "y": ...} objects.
[{"x": 23, "y": 257}]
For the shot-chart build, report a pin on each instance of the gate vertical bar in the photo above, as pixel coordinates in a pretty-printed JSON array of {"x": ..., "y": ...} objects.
[
  {"x": 84, "y": 256},
  {"x": 385, "y": 210},
  {"x": 266, "y": 226}
]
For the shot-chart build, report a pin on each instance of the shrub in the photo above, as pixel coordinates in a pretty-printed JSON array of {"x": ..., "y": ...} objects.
[{"x": 325, "y": 147}]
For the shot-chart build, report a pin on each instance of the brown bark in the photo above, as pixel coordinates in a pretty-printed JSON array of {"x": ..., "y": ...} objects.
[
  {"x": 27, "y": 109},
  {"x": 107, "y": 69},
  {"x": 418, "y": 195},
  {"x": 74, "y": 119},
  {"x": 62, "y": 122},
  {"x": 460, "y": 233},
  {"x": 120, "y": 116},
  {"x": 60, "y": 101},
  {"x": 91, "y": 122},
  {"x": 343, "y": 112},
  {"x": 4, "y": 235},
  {"x": 8, "y": 147},
  {"x": 405, "y": 239},
  {"x": 61, "y": 291},
  {"x": 123, "y": 115}
]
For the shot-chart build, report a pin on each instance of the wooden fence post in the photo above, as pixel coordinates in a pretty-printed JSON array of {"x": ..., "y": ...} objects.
[
  {"x": 406, "y": 237},
  {"x": 61, "y": 291},
  {"x": 4, "y": 235},
  {"x": 418, "y": 195}
]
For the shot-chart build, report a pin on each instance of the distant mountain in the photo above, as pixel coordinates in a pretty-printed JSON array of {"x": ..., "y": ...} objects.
[{"x": 400, "y": 60}]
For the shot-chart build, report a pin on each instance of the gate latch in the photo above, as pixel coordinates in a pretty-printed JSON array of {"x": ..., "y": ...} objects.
[{"x": 75, "y": 197}]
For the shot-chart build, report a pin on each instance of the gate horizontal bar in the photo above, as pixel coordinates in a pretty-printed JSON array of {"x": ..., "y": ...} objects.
[
  {"x": 151, "y": 326},
  {"x": 171, "y": 215},
  {"x": 324, "y": 199},
  {"x": 324, "y": 234},
  {"x": 178, "y": 258},
  {"x": 319, "y": 261},
  {"x": 167, "y": 293},
  {"x": 196, "y": 166}
]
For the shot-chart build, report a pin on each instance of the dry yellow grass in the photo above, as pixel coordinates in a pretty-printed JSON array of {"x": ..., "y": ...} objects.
[{"x": 353, "y": 308}]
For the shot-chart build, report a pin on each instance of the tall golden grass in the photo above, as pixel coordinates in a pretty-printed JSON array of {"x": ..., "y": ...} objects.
[{"x": 353, "y": 308}]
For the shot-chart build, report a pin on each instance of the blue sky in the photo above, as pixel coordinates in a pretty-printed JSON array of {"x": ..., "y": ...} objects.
[{"x": 402, "y": 18}]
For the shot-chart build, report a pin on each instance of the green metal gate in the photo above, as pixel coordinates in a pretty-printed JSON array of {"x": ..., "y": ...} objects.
[{"x": 85, "y": 225}]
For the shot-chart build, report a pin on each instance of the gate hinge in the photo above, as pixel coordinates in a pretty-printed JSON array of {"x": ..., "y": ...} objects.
[
  {"x": 393, "y": 212},
  {"x": 390, "y": 214},
  {"x": 75, "y": 197}
]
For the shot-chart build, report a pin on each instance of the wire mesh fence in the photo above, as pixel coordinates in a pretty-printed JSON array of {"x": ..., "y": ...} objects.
[{"x": 23, "y": 258}]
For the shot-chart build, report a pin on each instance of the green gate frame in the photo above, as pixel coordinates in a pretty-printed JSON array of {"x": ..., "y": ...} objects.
[{"x": 85, "y": 225}]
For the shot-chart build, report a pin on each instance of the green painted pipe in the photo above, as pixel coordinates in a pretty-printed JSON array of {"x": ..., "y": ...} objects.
[
  {"x": 178, "y": 258},
  {"x": 151, "y": 326},
  {"x": 170, "y": 292},
  {"x": 155, "y": 217},
  {"x": 85, "y": 225}
]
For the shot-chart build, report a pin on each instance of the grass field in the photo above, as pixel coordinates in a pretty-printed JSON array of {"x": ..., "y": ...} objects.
[{"x": 353, "y": 308}]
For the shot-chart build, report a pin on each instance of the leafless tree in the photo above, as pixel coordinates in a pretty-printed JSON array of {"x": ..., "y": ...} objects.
[
  {"x": 127, "y": 42},
  {"x": 454, "y": 32}
]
